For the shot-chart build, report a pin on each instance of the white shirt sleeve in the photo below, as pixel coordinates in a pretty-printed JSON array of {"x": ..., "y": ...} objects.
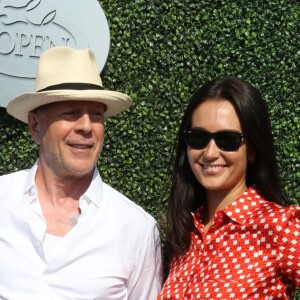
[{"x": 146, "y": 280}]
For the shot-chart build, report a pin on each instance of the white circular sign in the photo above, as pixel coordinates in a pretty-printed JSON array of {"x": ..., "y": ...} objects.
[{"x": 29, "y": 27}]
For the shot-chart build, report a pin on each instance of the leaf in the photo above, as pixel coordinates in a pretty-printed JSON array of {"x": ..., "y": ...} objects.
[{"x": 49, "y": 17}]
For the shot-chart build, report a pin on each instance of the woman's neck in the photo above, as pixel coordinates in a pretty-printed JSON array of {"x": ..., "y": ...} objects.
[{"x": 217, "y": 200}]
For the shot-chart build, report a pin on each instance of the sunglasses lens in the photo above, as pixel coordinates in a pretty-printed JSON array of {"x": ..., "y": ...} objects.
[
  {"x": 197, "y": 139},
  {"x": 225, "y": 140},
  {"x": 228, "y": 141}
]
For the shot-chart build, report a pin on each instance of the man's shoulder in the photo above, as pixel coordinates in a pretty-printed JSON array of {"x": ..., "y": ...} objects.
[
  {"x": 124, "y": 206},
  {"x": 12, "y": 186},
  {"x": 15, "y": 178}
]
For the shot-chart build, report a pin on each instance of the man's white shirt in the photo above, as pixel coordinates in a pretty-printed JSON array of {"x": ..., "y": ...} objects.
[{"x": 113, "y": 252}]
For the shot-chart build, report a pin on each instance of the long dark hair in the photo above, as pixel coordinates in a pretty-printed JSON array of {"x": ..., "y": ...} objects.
[{"x": 186, "y": 193}]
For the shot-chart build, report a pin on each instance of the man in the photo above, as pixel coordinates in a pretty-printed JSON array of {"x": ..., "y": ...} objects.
[{"x": 64, "y": 233}]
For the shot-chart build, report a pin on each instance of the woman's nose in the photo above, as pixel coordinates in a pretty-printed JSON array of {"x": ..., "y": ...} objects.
[{"x": 211, "y": 151}]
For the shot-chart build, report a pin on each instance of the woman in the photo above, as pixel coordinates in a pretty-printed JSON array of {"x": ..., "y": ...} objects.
[{"x": 229, "y": 237}]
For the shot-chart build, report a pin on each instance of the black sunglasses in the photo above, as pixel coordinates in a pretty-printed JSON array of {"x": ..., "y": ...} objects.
[{"x": 197, "y": 138}]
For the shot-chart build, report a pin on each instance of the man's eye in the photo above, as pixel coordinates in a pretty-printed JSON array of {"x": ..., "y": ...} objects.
[
  {"x": 69, "y": 115},
  {"x": 97, "y": 114},
  {"x": 69, "y": 112}
]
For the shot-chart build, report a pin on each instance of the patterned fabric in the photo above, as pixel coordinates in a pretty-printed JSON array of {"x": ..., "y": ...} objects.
[{"x": 252, "y": 251}]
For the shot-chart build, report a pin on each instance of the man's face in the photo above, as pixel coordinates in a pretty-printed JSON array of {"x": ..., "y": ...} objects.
[{"x": 70, "y": 135}]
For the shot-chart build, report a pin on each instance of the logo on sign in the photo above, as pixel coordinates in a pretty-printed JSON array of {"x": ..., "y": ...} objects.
[{"x": 28, "y": 27}]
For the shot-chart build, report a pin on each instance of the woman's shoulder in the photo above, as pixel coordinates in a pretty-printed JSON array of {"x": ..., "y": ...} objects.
[{"x": 271, "y": 211}]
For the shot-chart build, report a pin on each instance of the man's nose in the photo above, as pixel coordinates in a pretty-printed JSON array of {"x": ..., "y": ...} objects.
[{"x": 84, "y": 123}]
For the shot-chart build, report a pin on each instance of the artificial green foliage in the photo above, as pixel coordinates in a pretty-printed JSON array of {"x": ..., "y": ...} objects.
[
  {"x": 161, "y": 52},
  {"x": 16, "y": 148}
]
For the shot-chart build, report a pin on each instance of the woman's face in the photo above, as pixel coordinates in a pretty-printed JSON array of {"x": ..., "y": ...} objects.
[{"x": 216, "y": 169}]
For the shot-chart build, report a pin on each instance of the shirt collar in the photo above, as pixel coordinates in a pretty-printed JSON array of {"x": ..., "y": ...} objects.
[
  {"x": 243, "y": 207},
  {"x": 93, "y": 193},
  {"x": 30, "y": 187},
  {"x": 95, "y": 190},
  {"x": 239, "y": 211}
]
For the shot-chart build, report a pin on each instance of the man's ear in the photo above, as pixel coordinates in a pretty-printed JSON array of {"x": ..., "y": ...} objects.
[{"x": 33, "y": 126}]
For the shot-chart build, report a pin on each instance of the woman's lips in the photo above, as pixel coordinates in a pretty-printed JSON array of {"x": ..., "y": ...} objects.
[{"x": 212, "y": 169}]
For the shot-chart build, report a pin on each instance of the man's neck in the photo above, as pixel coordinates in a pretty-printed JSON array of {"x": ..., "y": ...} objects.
[
  {"x": 59, "y": 199},
  {"x": 57, "y": 187}
]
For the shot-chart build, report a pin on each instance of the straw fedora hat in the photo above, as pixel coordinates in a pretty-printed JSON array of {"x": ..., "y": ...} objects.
[{"x": 65, "y": 74}]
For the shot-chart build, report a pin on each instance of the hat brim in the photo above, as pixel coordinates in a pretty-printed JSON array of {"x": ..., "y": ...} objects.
[{"x": 115, "y": 102}]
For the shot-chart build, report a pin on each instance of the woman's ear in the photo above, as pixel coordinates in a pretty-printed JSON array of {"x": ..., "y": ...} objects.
[
  {"x": 33, "y": 126},
  {"x": 251, "y": 154}
]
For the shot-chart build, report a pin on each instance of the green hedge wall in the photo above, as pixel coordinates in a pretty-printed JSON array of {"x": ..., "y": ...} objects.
[{"x": 161, "y": 52}]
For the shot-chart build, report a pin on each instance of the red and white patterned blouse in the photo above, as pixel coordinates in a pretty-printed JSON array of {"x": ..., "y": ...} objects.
[{"x": 252, "y": 251}]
